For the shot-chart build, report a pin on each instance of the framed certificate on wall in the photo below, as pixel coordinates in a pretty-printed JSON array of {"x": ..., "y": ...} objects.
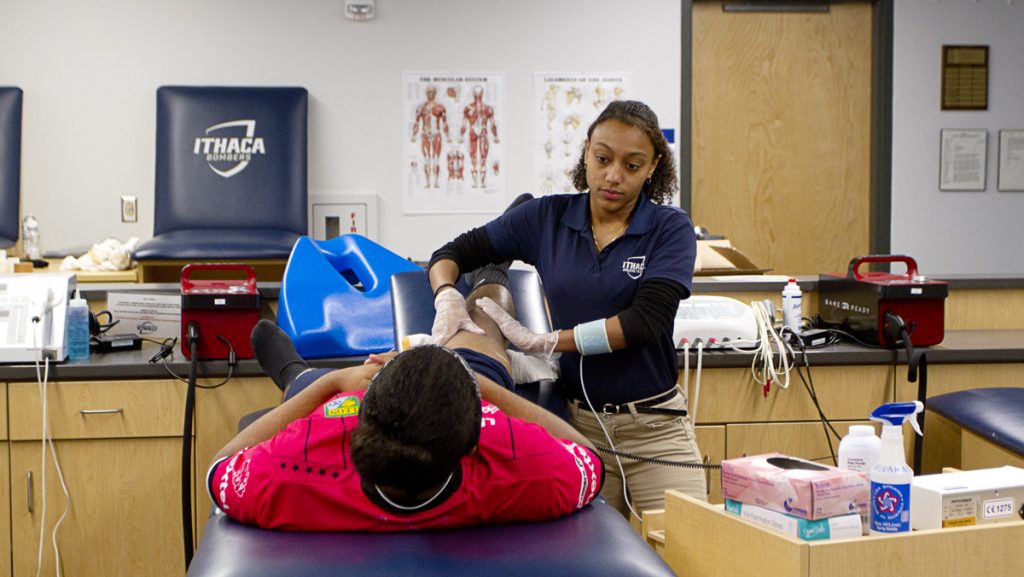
[
  {"x": 1011, "y": 160},
  {"x": 962, "y": 159}
]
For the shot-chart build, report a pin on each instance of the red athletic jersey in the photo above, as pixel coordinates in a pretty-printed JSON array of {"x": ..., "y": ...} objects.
[{"x": 303, "y": 478}]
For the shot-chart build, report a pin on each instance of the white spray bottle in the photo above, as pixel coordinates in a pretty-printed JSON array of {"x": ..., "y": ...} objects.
[{"x": 891, "y": 477}]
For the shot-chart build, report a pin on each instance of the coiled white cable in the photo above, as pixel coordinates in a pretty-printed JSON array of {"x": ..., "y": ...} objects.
[{"x": 763, "y": 367}]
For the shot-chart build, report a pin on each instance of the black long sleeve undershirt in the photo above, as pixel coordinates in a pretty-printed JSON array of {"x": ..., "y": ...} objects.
[
  {"x": 652, "y": 312},
  {"x": 470, "y": 251}
]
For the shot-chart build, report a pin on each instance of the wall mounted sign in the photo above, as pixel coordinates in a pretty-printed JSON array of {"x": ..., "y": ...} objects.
[{"x": 965, "y": 78}]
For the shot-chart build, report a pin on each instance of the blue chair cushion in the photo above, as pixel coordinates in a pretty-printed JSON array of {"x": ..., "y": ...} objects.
[
  {"x": 595, "y": 541},
  {"x": 220, "y": 243},
  {"x": 10, "y": 163},
  {"x": 994, "y": 413}
]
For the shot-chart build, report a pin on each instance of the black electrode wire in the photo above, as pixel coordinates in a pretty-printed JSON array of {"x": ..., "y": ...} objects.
[
  {"x": 656, "y": 461},
  {"x": 808, "y": 383},
  {"x": 231, "y": 366},
  {"x": 186, "y": 446}
]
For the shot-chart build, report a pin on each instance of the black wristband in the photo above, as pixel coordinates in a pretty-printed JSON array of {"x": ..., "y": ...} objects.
[{"x": 447, "y": 284}]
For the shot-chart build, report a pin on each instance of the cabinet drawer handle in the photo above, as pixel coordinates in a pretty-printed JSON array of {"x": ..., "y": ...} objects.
[
  {"x": 100, "y": 411},
  {"x": 29, "y": 478}
]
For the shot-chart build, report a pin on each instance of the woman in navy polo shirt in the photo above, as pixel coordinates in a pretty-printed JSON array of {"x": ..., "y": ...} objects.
[{"x": 615, "y": 261}]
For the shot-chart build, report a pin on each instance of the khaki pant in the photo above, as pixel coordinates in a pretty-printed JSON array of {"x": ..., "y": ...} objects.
[{"x": 656, "y": 436}]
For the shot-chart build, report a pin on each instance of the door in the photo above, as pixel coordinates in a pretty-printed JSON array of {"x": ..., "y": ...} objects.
[{"x": 781, "y": 133}]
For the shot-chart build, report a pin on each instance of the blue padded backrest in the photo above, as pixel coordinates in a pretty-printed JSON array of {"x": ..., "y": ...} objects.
[
  {"x": 231, "y": 157},
  {"x": 414, "y": 301},
  {"x": 10, "y": 163},
  {"x": 335, "y": 297}
]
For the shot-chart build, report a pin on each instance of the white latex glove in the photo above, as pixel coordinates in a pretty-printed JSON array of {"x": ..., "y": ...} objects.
[
  {"x": 522, "y": 337},
  {"x": 450, "y": 316}
]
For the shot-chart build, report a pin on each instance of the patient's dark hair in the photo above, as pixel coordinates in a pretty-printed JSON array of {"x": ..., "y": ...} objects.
[{"x": 420, "y": 416}]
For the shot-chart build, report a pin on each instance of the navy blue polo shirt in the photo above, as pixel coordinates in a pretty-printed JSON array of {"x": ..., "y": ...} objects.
[{"x": 553, "y": 234}]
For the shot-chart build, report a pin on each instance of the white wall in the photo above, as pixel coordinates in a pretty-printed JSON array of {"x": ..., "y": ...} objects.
[
  {"x": 954, "y": 232},
  {"x": 90, "y": 70}
]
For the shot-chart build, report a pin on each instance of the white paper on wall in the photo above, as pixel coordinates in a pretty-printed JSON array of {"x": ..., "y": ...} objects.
[
  {"x": 565, "y": 105},
  {"x": 454, "y": 157}
]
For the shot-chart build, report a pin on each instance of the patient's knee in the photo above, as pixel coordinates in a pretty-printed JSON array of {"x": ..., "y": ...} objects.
[{"x": 496, "y": 292}]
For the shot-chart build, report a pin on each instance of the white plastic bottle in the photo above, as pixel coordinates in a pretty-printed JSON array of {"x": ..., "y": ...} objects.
[
  {"x": 30, "y": 237},
  {"x": 78, "y": 328},
  {"x": 859, "y": 449},
  {"x": 891, "y": 477},
  {"x": 792, "y": 306}
]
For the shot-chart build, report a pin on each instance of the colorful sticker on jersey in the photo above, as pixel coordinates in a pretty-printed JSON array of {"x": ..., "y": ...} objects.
[{"x": 341, "y": 407}]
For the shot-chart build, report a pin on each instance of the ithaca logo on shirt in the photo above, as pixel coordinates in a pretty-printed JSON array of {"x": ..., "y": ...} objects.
[
  {"x": 223, "y": 145},
  {"x": 634, "y": 266}
]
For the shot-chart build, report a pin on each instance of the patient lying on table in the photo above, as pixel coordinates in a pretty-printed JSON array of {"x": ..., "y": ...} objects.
[{"x": 428, "y": 438}]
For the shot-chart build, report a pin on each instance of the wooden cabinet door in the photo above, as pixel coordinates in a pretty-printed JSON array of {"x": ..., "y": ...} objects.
[
  {"x": 125, "y": 512},
  {"x": 217, "y": 414}
]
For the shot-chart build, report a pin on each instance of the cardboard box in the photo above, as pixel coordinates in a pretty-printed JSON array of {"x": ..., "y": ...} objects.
[
  {"x": 795, "y": 486},
  {"x": 718, "y": 257}
]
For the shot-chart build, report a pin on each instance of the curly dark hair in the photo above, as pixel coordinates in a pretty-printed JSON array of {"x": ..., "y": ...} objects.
[
  {"x": 663, "y": 182},
  {"x": 419, "y": 417}
]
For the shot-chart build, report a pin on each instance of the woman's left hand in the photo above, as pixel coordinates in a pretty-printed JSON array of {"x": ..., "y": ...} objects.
[{"x": 522, "y": 337}]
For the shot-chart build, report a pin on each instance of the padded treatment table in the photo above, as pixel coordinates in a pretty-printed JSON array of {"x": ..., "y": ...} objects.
[
  {"x": 596, "y": 542},
  {"x": 995, "y": 414}
]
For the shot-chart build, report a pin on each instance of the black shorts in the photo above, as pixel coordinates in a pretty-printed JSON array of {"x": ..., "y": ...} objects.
[{"x": 487, "y": 367}]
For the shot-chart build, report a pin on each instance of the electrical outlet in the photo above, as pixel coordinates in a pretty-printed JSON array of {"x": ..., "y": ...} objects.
[{"x": 129, "y": 209}]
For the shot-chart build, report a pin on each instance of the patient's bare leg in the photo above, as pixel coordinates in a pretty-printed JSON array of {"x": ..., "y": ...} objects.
[{"x": 492, "y": 343}]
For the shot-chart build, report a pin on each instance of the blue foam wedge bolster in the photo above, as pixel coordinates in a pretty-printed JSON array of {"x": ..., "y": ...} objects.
[
  {"x": 596, "y": 541},
  {"x": 994, "y": 413},
  {"x": 323, "y": 312},
  {"x": 219, "y": 243},
  {"x": 10, "y": 163}
]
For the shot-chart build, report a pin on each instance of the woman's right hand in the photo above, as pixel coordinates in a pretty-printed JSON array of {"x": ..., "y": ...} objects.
[{"x": 450, "y": 316}]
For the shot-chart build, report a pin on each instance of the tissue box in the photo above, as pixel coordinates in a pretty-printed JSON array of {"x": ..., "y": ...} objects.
[
  {"x": 795, "y": 486},
  {"x": 840, "y": 527}
]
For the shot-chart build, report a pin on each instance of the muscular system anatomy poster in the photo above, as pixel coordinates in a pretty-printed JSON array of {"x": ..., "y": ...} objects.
[
  {"x": 565, "y": 103},
  {"x": 454, "y": 157}
]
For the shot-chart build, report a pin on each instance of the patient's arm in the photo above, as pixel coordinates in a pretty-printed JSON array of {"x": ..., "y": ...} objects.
[{"x": 340, "y": 381}]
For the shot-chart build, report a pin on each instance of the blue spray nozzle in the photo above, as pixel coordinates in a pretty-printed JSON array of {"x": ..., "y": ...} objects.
[{"x": 896, "y": 414}]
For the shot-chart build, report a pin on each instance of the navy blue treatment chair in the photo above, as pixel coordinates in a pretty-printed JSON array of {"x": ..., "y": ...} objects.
[
  {"x": 995, "y": 414},
  {"x": 10, "y": 164},
  {"x": 231, "y": 182}
]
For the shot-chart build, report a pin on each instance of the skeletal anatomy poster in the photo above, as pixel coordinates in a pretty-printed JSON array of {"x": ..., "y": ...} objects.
[
  {"x": 454, "y": 125},
  {"x": 565, "y": 105}
]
